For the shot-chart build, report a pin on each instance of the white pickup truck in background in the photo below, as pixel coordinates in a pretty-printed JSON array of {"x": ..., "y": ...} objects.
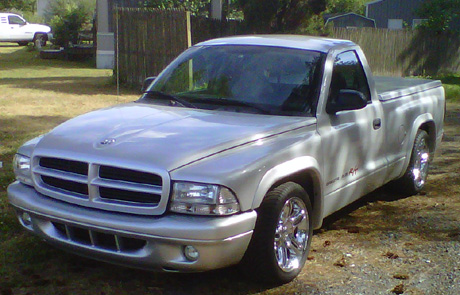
[
  {"x": 234, "y": 154},
  {"x": 14, "y": 28}
]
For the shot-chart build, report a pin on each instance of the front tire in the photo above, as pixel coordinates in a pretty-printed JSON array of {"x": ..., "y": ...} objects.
[
  {"x": 282, "y": 236},
  {"x": 39, "y": 41},
  {"x": 23, "y": 43}
]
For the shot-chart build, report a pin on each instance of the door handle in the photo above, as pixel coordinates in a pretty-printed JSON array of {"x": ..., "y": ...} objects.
[{"x": 377, "y": 123}]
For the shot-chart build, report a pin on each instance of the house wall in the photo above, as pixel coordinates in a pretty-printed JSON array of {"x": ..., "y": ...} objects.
[
  {"x": 382, "y": 11},
  {"x": 105, "y": 52}
]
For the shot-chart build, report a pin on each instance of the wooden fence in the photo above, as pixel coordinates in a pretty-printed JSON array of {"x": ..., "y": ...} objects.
[
  {"x": 149, "y": 39},
  {"x": 204, "y": 28},
  {"x": 406, "y": 52}
]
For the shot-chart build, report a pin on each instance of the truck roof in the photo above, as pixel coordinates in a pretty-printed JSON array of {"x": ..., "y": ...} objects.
[
  {"x": 289, "y": 41},
  {"x": 7, "y": 13}
]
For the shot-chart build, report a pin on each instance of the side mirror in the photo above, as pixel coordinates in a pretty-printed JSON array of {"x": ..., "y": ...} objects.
[
  {"x": 347, "y": 100},
  {"x": 147, "y": 82}
]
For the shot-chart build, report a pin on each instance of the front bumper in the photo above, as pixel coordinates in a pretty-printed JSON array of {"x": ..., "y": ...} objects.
[{"x": 149, "y": 242}]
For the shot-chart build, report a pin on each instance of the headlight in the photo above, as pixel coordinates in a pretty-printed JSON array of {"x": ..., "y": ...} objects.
[
  {"x": 203, "y": 199},
  {"x": 21, "y": 166}
]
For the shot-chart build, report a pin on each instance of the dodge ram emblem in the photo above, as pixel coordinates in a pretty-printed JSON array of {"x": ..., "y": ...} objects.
[{"x": 108, "y": 141}]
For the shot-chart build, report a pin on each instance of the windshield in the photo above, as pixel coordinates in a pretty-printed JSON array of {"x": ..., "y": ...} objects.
[{"x": 257, "y": 79}]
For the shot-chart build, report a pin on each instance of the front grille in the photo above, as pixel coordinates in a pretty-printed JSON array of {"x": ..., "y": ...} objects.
[
  {"x": 99, "y": 186},
  {"x": 114, "y": 173},
  {"x": 66, "y": 185},
  {"x": 99, "y": 239},
  {"x": 76, "y": 167},
  {"x": 128, "y": 196}
]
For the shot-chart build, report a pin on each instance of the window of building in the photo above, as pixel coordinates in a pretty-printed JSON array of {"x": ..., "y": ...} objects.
[{"x": 395, "y": 24}]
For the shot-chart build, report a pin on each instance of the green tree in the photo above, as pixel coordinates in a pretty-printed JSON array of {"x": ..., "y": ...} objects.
[
  {"x": 344, "y": 6},
  {"x": 196, "y": 7},
  {"x": 263, "y": 16},
  {"x": 21, "y": 5},
  {"x": 440, "y": 15}
]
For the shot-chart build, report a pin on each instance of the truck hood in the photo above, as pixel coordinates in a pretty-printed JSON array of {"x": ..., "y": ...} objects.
[
  {"x": 159, "y": 136},
  {"x": 37, "y": 28}
]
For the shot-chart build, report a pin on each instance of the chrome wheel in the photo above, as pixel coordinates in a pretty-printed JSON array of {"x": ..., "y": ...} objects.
[
  {"x": 420, "y": 167},
  {"x": 291, "y": 235}
]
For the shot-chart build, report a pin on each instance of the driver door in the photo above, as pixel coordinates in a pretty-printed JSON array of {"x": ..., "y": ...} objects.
[
  {"x": 16, "y": 25},
  {"x": 352, "y": 139}
]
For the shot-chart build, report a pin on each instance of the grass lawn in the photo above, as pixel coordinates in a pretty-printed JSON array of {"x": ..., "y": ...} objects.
[
  {"x": 351, "y": 250},
  {"x": 35, "y": 96},
  {"x": 451, "y": 85}
]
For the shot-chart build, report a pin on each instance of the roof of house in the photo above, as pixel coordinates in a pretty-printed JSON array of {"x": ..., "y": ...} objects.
[
  {"x": 338, "y": 15},
  {"x": 288, "y": 41}
]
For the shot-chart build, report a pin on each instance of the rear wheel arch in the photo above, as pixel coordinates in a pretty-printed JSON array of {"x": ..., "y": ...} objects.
[
  {"x": 430, "y": 128},
  {"x": 423, "y": 122}
]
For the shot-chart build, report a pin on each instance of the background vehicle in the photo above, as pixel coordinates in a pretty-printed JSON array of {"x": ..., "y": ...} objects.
[{"x": 14, "y": 28}]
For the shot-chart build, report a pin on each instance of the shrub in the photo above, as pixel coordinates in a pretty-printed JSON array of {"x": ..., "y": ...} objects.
[{"x": 67, "y": 18}]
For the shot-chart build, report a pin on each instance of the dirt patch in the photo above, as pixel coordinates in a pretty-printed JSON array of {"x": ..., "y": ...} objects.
[
  {"x": 382, "y": 244},
  {"x": 385, "y": 244}
]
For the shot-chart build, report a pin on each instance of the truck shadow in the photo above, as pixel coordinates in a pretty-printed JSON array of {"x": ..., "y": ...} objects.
[{"x": 382, "y": 194}]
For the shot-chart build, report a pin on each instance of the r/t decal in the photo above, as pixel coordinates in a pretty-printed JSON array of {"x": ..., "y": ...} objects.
[{"x": 351, "y": 172}]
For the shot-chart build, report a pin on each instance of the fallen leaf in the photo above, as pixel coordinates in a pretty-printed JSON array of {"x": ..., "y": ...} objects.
[
  {"x": 399, "y": 289},
  {"x": 401, "y": 276}
]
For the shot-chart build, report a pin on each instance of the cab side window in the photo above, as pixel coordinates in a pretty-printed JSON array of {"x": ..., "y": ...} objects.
[
  {"x": 14, "y": 20},
  {"x": 348, "y": 73}
]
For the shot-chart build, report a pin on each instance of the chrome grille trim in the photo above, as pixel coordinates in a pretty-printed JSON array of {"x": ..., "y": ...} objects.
[
  {"x": 120, "y": 194},
  {"x": 62, "y": 175},
  {"x": 127, "y": 186}
]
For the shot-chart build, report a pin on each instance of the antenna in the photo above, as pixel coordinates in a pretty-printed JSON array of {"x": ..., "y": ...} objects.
[{"x": 118, "y": 52}]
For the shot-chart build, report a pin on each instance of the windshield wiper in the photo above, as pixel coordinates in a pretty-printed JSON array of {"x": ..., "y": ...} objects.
[
  {"x": 174, "y": 99},
  {"x": 232, "y": 102}
]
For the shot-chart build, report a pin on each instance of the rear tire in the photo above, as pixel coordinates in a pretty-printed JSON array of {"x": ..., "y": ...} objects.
[
  {"x": 414, "y": 178},
  {"x": 282, "y": 236},
  {"x": 23, "y": 43}
]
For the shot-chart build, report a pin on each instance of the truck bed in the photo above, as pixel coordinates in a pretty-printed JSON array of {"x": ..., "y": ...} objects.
[{"x": 394, "y": 87}]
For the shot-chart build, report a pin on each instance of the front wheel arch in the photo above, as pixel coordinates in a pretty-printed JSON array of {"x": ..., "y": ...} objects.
[{"x": 302, "y": 170}]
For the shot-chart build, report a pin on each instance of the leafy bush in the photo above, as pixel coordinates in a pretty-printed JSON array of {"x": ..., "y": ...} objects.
[{"x": 67, "y": 18}]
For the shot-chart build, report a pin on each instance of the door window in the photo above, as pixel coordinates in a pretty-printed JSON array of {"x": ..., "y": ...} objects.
[
  {"x": 348, "y": 73},
  {"x": 15, "y": 20}
]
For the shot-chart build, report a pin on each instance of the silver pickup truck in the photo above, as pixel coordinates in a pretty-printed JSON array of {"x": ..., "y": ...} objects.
[{"x": 234, "y": 154}]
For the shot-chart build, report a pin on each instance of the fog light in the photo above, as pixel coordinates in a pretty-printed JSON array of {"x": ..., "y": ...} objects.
[
  {"x": 26, "y": 219},
  {"x": 191, "y": 253}
]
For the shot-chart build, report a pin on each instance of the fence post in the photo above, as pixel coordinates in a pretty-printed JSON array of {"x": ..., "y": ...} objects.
[{"x": 189, "y": 29}]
